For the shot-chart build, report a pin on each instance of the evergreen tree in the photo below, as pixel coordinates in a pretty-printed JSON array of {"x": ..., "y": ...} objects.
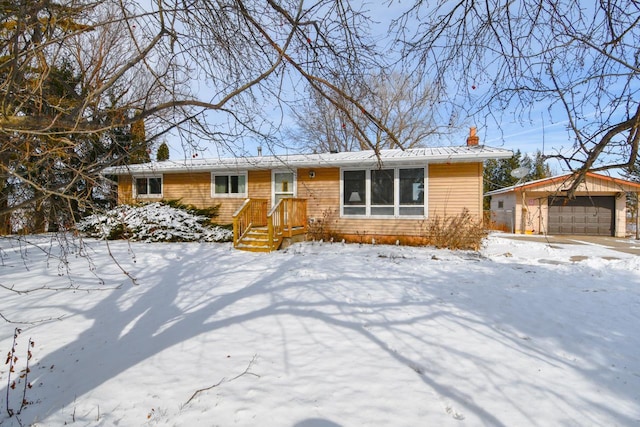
[
  {"x": 49, "y": 157},
  {"x": 54, "y": 180},
  {"x": 538, "y": 168},
  {"x": 139, "y": 151},
  {"x": 163, "y": 152},
  {"x": 497, "y": 172}
]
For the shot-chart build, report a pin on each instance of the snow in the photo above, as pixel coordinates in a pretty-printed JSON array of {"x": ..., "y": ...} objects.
[
  {"x": 153, "y": 222},
  {"x": 321, "y": 334}
]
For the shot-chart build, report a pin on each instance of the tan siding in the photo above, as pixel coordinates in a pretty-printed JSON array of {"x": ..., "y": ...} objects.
[
  {"x": 195, "y": 189},
  {"x": 228, "y": 206},
  {"x": 190, "y": 188},
  {"x": 322, "y": 191},
  {"x": 551, "y": 187},
  {"x": 454, "y": 187},
  {"x": 260, "y": 184},
  {"x": 591, "y": 184},
  {"x": 601, "y": 185},
  {"x": 620, "y": 217},
  {"x": 451, "y": 188},
  {"x": 531, "y": 212},
  {"x": 125, "y": 190},
  {"x": 384, "y": 230}
]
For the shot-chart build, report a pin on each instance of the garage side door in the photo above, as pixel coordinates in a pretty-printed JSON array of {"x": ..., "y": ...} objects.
[{"x": 582, "y": 215}]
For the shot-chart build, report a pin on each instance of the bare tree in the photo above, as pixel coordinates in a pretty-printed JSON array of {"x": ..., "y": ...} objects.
[
  {"x": 203, "y": 69},
  {"x": 403, "y": 102},
  {"x": 577, "y": 60}
]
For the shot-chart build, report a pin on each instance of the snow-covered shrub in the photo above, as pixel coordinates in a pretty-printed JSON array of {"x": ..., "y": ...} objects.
[
  {"x": 153, "y": 222},
  {"x": 210, "y": 212}
]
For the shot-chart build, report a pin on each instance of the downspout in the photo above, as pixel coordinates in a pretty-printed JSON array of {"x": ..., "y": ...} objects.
[
  {"x": 539, "y": 215},
  {"x": 523, "y": 214}
]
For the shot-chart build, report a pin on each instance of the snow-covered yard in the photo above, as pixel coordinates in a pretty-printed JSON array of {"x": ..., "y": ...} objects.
[{"x": 322, "y": 335}]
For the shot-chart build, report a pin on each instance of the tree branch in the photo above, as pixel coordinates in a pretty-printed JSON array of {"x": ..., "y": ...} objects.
[{"x": 224, "y": 380}]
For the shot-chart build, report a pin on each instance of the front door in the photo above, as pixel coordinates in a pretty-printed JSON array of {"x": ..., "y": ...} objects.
[{"x": 284, "y": 185}]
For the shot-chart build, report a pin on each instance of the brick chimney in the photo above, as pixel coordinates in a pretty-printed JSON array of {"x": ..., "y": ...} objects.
[{"x": 472, "y": 139}]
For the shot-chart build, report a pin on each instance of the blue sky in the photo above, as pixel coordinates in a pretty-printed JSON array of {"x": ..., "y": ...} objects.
[{"x": 537, "y": 133}]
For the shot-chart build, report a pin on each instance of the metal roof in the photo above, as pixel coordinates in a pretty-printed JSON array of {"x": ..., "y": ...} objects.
[
  {"x": 367, "y": 158},
  {"x": 559, "y": 179}
]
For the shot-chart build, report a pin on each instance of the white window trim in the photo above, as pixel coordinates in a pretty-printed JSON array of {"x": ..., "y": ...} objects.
[
  {"x": 396, "y": 194},
  {"x": 215, "y": 195},
  {"x": 147, "y": 196}
]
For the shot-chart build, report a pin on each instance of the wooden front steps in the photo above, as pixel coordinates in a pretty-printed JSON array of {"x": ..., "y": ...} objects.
[
  {"x": 256, "y": 239},
  {"x": 259, "y": 229}
]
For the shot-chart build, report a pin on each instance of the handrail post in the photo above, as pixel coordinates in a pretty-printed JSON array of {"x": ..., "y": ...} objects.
[
  {"x": 270, "y": 231},
  {"x": 239, "y": 221},
  {"x": 303, "y": 216},
  {"x": 290, "y": 218},
  {"x": 284, "y": 219},
  {"x": 235, "y": 232},
  {"x": 275, "y": 221}
]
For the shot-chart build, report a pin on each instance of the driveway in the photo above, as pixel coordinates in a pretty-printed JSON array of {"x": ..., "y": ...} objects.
[{"x": 620, "y": 244}]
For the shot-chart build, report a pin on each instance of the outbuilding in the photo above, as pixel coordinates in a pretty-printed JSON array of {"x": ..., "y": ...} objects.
[{"x": 543, "y": 206}]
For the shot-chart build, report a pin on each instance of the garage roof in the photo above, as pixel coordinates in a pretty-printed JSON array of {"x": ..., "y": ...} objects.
[{"x": 564, "y": 181}]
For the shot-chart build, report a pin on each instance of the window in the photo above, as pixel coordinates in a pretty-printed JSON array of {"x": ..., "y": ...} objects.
[
  {"x": 382, "y": 200},
  {"x": 354, "y": 198},
  {"x": 148, "y": 186},
  {"x": 411, "y": 183},
  {"x": 500, "y": 204},
  {"x": 383, "y": 192},
  {"x": 229, "y": 185}
]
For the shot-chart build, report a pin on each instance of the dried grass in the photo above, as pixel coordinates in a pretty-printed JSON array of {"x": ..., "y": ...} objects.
[{"x": 460, "y": 232}]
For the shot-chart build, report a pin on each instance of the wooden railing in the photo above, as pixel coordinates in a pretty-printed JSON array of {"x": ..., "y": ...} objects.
[
  {"x": 275, "y": 225},
  {"x": 296, "y": 210},
  {"x": 252, "y": 213},
  {"x": 286, "y": 219}
]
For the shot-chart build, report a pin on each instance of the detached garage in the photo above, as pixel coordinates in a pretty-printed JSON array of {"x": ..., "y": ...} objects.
[
  {"x": 583, "y": 215},
  {"x": 542, "y": 206}
]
